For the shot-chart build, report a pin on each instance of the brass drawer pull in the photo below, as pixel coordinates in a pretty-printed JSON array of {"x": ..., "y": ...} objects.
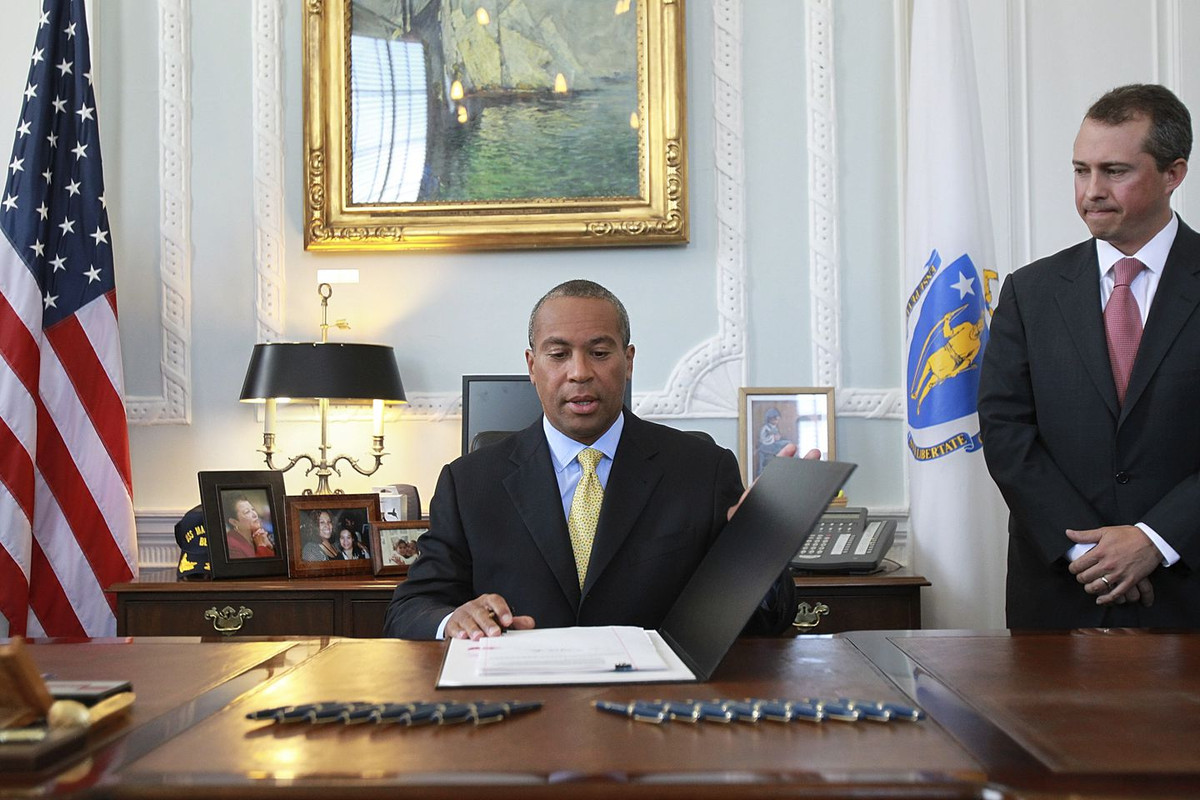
[
  {"x": 227, "y": 621},
  {"x": 809, "y": 616}
]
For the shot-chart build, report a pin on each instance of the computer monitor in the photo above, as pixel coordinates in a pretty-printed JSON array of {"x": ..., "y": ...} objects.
[{"x": 501, "y": 403}]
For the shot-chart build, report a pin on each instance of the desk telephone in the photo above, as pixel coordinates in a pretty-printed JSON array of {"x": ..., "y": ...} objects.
[{"x": 845, "y": 541}]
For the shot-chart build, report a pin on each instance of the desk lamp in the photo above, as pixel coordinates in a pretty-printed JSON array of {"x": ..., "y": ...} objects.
[{"x": 323, "y": 371}]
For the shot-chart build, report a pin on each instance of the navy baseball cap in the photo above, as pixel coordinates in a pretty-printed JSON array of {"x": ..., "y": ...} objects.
[{"x": 193, "y": 544}]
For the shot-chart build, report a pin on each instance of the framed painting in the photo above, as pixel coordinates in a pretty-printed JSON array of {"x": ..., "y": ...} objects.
[
  {"x": 394, "y": 545},
  {"x": 244, "y": 516},
  {"x": 769, "y": 419},
  {"x": 494, "y": 124},
  {"x": 330, "y": 534}
]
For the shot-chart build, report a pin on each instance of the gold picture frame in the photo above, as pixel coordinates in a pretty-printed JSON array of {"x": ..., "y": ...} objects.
[
  {"x": 457, "y": 183},
  {"x": 771, "y": 417}
]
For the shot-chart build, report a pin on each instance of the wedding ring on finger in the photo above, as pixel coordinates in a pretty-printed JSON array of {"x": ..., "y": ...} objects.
[{"x": 1106, "y": 582}]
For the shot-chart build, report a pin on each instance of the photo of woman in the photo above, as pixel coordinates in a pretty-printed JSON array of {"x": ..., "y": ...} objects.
[
  {"x": 318, "y": 543},
  {"x": 247, "y": 515}
]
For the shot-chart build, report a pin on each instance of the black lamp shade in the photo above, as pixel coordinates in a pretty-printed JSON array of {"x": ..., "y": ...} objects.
[{"x": 313, "y": 370}]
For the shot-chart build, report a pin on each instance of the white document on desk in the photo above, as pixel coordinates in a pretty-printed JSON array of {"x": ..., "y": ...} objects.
[{"x": 548, "y": 656}]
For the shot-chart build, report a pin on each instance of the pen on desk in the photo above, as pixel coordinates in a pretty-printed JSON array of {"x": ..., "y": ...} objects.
[
  {"x": 713, "y": 711},
  {"x": 834, "y": 710},
  {"x": 682, "y": 712},
  {"x": 638, "y": 710},
  {"x": 742, "y": 710},
  {"x": 903, "y": 712},
  {"x": 868, "y": 709}
]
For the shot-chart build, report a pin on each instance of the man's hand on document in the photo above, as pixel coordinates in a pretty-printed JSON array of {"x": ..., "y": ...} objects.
[
  {"x": 486, "y": 615},
  {"x": 788, "y": 451}
]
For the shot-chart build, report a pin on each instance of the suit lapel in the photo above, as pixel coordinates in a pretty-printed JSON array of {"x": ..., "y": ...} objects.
[
  {"x": 631, "y": 482},
  {"x": 1079, "y": 302},
  {"x": 534, "y": 492},
  {"x": 1175, "y": 302}
]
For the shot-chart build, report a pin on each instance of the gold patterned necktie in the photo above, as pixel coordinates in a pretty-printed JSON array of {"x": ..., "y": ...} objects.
[{"x": 585, "y": 510}]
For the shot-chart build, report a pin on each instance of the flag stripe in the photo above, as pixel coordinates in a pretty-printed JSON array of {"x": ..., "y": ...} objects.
[
  {"x": 78, "y": 581},
  {"x": 15, "y": 597},
  {"x": 89, "y": 527},
  {"x": 90, "y": 383},
  {"x": 16, "y": 470},
  {"x": 18, "y": 347},
  {"x": 50, "y": 602}
]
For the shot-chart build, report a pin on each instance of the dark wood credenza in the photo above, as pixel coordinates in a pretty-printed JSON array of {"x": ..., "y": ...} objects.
[{"x": 355, "y": 606}]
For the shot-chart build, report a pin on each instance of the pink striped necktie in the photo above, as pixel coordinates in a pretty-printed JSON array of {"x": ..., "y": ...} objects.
[{"x": 1123, "y": 324}]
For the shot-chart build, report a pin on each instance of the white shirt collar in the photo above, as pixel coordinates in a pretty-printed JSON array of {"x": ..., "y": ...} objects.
[
  {"x": 1153, "y": 254},
  {"x": 564, "y": 449}
]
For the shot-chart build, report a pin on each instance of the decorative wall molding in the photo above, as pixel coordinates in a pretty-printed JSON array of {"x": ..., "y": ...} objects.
[
  {"x": 705, "y": 382},
  {"x": 823, "y": 208},
  {"x": 269, "y": 195},
  {"x": 174, "y": 406},
  {"x": 1020, "y": 213},
  {"x": 1168, "y": 67}
]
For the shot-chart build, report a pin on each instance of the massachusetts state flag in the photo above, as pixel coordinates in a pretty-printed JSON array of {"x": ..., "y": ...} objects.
[
  {"x": 66, "y": 513},
  {"x": 957, "y": 514}
]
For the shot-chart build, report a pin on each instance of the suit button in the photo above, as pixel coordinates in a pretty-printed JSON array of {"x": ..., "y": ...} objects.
[{"x": 1122, "y": 477}]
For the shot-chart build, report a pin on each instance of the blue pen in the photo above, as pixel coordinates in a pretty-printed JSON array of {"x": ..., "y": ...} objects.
[
  {"x": 789, "y": 711},
  {"x": 742, "y": 710},
  {"x": 682, "y": 712},
  {"x": 903, "y": 712},
  {"x": 867, "y": 709},
  {"x": 451, "y": 713},
  {"x": 831, "y": 709},
  {"x": 521, "y": 706},
  {"x": 713, "y": 711},
  {"x": 638, "y": 710}
]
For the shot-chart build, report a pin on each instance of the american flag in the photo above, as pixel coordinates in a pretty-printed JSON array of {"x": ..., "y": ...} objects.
[{"x": 66, "y": 511}]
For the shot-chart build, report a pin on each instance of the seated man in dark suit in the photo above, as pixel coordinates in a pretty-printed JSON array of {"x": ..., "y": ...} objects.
[{"x": 591, "y": 516}]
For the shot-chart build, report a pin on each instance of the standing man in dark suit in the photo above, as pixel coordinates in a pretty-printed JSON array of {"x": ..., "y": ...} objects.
[
  {"x": 1090, "y": 384},
  {"x": 509, "y": 545}
]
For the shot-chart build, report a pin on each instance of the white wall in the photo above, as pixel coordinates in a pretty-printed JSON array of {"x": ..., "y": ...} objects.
[{"x": 1039, "y": 66}]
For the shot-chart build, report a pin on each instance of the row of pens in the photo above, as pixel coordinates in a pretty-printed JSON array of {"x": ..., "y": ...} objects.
[{"x": 652, "y": 711}]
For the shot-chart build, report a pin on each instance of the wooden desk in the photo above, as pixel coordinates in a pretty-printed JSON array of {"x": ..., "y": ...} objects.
[
  {"x": 1087, "y": 714},
  {"x": 1097, "y": 713},
  {"x": 565, "y": 749},
  {"x": 355, "y": 607}
]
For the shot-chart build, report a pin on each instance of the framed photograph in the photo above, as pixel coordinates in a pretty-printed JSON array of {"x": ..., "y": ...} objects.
[
  {"x": 245, "y": 519},
  {"x": 394, "y": 545},
  {"x": 329, "y": 534},
  {"x": 448, "y": 124},
  {"x": 771, "y": 418}
]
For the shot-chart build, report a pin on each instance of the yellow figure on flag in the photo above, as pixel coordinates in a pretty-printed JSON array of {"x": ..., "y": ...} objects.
[{"x": 957, "y": 355}]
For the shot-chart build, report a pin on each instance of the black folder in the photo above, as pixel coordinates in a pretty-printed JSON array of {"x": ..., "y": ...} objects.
[{"x": 750, "y": 553}]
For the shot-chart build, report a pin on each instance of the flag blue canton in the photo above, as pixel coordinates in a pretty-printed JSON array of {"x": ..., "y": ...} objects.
[
  {"x": 947, "y": 344},
  {"x": 53, "y": 209}
]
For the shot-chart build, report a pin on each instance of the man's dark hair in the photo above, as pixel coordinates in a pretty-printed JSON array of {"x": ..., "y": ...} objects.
[
  {"x": 586, "y": 289},
  {"x": 1170, "y": 135}
]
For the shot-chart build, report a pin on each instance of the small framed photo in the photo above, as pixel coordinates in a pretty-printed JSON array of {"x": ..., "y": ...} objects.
[
  {"x": 245, "y": 519},
  {"x": 394, "y": 545},
  {"x": 771, "y": 418},
  {"x": 329, "y": 534}
]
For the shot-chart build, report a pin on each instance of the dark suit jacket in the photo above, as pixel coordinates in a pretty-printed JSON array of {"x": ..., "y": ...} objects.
[
  {"x": 1065, "y": 455},
  {"x": 497, "y": 525}
]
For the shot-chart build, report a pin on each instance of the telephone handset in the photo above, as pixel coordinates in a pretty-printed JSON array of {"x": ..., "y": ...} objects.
[{"x": 844, "y": 540}]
